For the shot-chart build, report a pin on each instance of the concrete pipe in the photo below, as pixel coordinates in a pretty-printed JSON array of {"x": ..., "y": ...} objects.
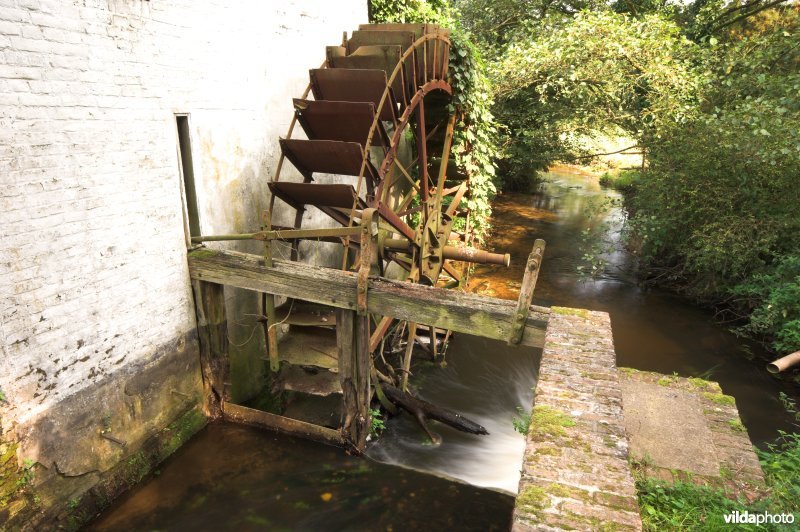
[{"x": 784, "y": 363}]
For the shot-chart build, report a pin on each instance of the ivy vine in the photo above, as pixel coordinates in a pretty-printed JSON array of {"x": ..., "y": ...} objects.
[{"x": 475, "y": 141}]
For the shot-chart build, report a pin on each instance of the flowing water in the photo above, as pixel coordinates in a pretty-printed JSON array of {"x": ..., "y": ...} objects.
[
  {"x": 654, "y": 330},
  {"x": 238, "y": 478},
  {"x": 486, "y": 381}
]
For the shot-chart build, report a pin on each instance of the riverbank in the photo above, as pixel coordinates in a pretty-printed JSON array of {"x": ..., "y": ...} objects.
[
  {"x": 762, "y": 304},
  {"x": 654, "y": 329}
]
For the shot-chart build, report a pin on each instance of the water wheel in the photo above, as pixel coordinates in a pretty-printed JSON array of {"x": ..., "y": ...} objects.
[{"x": 378, "y": 110}]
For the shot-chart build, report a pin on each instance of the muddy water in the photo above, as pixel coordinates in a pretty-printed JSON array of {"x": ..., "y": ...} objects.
[{"x": 653, "y": 330}]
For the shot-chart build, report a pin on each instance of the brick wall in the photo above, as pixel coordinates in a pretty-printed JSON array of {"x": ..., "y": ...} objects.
[{"x": 92, "y": 245}]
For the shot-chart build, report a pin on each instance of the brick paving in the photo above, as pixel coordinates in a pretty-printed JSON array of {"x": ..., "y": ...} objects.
[{"x": 576, "y": 473}]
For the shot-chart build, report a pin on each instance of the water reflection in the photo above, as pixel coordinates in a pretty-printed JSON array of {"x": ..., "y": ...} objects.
[
  {"x": 653, "y": 329},
  {"x": 231, "y": 477}
]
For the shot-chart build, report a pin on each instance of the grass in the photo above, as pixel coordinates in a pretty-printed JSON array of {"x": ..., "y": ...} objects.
[
  {"x": 522, "y": 421},
  {"x": 688, "y": 506},
  {"x": 624, "y": 181},
  {"x": 378, "y": 424}
]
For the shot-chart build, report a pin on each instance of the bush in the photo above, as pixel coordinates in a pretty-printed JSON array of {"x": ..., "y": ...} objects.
[
  {"x": 625, "y": 181},
  {"x": 773, "y": 298}
]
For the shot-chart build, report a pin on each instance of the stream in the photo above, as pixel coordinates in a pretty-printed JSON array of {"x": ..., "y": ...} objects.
[{"x": 238, "y": 478}]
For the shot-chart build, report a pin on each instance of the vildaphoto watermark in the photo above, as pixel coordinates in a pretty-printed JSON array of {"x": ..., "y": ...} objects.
[{"x": 758, "y": 518}]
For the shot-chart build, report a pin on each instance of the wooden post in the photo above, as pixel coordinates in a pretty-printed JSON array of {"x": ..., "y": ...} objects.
[
  {"x": 212, "y": 328},
  {"x": 369, "y": 233},
  {"x": 268, "y": 301},
  {"x": 412, "y": 334},
  {"x": 526, "y": 292},
  {"x": 352, "y": 340}
]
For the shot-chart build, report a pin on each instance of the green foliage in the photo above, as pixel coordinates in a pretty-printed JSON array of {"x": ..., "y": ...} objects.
[
  {"x": 781, "y": 466},
  {"x": 688, "y": 506},
  {"x": 475, "y": 137},
  {"x": 27, "y": 474},
  {"x": 708, "y": 89},
  {"x": 773, "y": 294},
  {"x": 720, "y": 195},
  {"x": 522, "y": 421},
  {"x": 683, "y": 506},
  {"x": 378, "y": 424},
  {"x": 625, "y": 181},
  {"x": 571, "y": 78},
  {"x": 790, "y": 405},
  {"x": 402, "y": 10}
]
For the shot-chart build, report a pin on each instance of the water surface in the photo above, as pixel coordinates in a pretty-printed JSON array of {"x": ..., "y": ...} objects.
[
  {"x": 238, "y": 478},
  {"x": 653, "y": 329},
  {"x": 232, "y": 477}
]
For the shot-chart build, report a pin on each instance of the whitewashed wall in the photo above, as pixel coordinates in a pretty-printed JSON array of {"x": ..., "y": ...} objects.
[{"x": 93, "y": 271}]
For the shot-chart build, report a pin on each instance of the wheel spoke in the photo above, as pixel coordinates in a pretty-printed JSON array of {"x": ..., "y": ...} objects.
[
  {"x": 448, "y": 141},
  {"x": 412, "y": 334}
]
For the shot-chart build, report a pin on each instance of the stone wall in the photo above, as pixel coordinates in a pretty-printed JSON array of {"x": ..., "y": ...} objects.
[
  {"x": 576, "y": 474},
  {"x": 96, "y": 316}
]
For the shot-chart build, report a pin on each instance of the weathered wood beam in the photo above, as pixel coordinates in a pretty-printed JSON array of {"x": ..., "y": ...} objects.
[
  {"x": 293, "y": 427},
  {"x": 352, "y": 342},
  {"x": 526, "y": 291},
  {"x": 212, "y": 328},
  {"x": 448, "y": 309}
]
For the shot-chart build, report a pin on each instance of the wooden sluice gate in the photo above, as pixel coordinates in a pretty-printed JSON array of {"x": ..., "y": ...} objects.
[
  {"x": 382, "y": 110},
  {"x": 517, "y": 322}
]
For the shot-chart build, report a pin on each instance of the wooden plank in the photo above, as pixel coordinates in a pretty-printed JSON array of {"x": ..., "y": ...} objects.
[
  {"x": 526, "y": 292},
  {"x": 212, "y": 327},
  {"x": 353, "y": 340},
  {"x": 448, "y": 309},
  {"x": 361, "y": 379},
  {"x": 293, "y": 427}
]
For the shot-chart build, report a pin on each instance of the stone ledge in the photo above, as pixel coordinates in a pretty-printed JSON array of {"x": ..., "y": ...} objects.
[
  {"x": 725, "y": 459},
  {"x": 576, "y": 473}
]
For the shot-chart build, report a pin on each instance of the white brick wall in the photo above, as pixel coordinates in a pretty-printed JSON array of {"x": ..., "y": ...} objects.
[{"x": 92, "y": 251}]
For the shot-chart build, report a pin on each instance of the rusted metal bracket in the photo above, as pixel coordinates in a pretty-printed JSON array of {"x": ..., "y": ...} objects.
[
  {"x": 526, "y": 293},
  {"x": 369, "y": 234}
]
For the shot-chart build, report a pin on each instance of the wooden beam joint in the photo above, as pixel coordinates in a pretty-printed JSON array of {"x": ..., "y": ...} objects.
[{"x": 526, "y": 292}]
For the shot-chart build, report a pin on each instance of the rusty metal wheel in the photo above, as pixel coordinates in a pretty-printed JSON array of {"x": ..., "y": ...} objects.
[{"x": 381, "y": 112}]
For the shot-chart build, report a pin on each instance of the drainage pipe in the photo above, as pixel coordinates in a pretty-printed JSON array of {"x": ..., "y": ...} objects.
[{"x": 784, "y": 363}]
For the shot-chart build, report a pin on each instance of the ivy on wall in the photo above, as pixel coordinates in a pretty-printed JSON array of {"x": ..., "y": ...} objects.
[{"x": 475, "y": 138}]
